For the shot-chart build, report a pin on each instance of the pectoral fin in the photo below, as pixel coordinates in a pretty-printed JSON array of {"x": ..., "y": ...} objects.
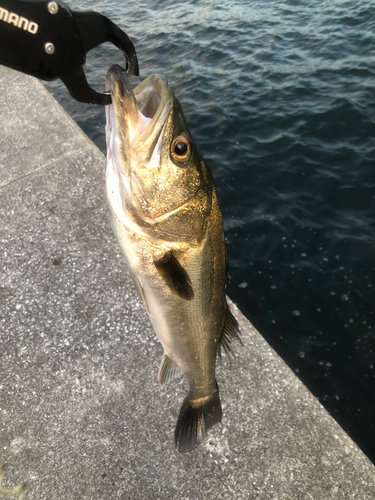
[
  {"x": 230, "y": 332},
  {"x": 175, "y": 276},
  {"x": 168, "y": 371}
]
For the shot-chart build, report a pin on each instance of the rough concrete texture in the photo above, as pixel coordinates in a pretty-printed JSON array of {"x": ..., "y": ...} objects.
[
  {"x": 82, "y": 415},
  {"x": 57, "y": 137}
]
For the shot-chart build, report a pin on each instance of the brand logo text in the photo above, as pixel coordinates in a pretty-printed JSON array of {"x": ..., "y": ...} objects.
[{"x": 18, "y": 21}]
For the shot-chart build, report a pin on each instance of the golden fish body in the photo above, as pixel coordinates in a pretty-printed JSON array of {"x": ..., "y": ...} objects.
[{"x": 165, "y": 213}]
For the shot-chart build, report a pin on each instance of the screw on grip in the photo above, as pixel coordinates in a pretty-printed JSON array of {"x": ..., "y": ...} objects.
[{"x": 47, "y": 40}]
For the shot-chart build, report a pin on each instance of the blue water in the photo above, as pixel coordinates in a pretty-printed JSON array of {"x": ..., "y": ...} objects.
[{"x": 280, "y": 98}]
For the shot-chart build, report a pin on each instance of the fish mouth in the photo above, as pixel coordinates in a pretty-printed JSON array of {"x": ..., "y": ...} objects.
[{"x": 138, "y": 116}]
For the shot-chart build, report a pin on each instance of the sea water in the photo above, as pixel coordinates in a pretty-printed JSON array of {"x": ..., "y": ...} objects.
[{"x": 280, "y": 99}]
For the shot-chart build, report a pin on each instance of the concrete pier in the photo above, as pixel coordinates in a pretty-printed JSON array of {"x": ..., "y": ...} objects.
[{"x": 81, "y": 413}]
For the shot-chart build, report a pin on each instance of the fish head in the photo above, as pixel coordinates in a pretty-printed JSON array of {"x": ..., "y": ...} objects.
[{"x": 156, "y": 179}]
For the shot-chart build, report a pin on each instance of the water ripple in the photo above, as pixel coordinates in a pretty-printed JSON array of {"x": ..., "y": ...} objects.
[{"x": 280, "y": 99}]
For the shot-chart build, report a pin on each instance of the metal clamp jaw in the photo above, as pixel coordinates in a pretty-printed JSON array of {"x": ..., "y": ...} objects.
[{"x": 47, "y": 40}]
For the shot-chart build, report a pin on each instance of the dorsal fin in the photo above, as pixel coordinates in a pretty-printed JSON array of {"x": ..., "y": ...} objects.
[
  {"x": 168, "y": 371},
  {"x": 227, "y": 275},
  {"x": 175, "y": 276},
  {"x": 230, "y": 332}
]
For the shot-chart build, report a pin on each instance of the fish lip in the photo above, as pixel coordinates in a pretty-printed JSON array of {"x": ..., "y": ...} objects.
[{"x": 140, "y": 114}]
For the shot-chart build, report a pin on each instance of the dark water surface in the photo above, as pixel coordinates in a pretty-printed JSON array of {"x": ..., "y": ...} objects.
[{"x": 280, "y": 98}]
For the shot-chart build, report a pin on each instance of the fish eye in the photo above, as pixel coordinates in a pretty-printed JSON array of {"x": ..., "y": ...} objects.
[{"x": 180, "y": 148}]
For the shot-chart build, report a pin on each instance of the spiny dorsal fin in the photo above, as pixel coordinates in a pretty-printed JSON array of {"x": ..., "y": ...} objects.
[
  {"x": 168, "y": 371},
  {"x": 175, "y": 276},
  {"x": 227, "y": 275},
  {"x": 230, "y": 332}
]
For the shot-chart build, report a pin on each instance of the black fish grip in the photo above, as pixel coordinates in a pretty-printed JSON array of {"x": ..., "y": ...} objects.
[{"x": 47, "y": 40}]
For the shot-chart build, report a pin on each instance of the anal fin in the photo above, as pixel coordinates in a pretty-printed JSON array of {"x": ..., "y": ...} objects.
[
  {"x": 175, "y": 276},
  {"x": 168, "y": 371},
  {"x": 230, "y": 332}
]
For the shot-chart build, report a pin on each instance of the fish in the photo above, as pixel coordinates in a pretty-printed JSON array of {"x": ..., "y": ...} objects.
[{"x": 165, "y": 213}]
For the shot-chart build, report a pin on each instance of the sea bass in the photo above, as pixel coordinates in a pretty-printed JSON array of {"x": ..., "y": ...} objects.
[{"x": 165, "y": 213}]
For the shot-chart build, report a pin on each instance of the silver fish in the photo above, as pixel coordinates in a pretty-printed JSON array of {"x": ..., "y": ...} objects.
[{"x": 165, "y": 213}]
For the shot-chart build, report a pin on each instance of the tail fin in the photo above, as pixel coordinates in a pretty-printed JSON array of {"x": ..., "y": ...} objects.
[{"x": 194, "y": 421}]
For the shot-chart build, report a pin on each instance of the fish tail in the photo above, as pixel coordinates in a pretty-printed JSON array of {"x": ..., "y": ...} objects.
[{"x": 196, "y": 419}]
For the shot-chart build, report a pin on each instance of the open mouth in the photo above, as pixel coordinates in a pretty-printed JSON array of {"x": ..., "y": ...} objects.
[
  {"x": 140, "y": 113},
  {"x": 148, "y": 101}
]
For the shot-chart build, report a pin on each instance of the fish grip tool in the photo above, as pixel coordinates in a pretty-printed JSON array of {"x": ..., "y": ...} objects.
[{"x": 48, "y": 40}]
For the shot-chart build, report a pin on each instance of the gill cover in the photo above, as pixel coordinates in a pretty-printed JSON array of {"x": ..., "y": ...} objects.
[{"x": 158, "y": 182}]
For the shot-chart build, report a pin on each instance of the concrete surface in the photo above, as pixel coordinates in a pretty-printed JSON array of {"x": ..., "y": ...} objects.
[{"x": 82, "y": 415}]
